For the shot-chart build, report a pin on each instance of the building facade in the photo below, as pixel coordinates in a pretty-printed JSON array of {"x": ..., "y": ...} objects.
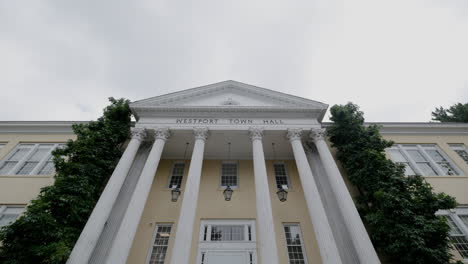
[{"x": 230, "y": 173}]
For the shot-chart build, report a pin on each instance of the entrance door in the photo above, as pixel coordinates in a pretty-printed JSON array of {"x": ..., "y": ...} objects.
[
  {"x": 227, "y": 258},
  {"x": 224, "y": 241}
]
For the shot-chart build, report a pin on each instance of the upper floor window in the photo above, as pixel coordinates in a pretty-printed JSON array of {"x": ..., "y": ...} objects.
[
  {"x": 294, "y": 244},
  {"x": 423, "y": 159},
  {"x": 161, "y": 243},
  {"x": 229, "y": 175},
  {"x": 9, "y": 213},
  {"x": 457, "y": 219},
  {"x": 281, "y": 175},
  {"x": 29, "y": 159},
  {"x": 177, "y": 175},
  {"x": 461, "y": 150}
]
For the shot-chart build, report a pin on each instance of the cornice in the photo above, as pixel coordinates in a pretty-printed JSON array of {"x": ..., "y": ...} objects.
[
  {"x": 419, "y": 128},
  {"x": 223, "y": 109},
  {"x": 38, "y": 127}
]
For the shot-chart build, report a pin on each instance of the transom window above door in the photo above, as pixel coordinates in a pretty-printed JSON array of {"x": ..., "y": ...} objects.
[
  {"x": 227, "y": 230},
  {"x": 229, "y": 174},
  {"x": 227, "y": 241}
]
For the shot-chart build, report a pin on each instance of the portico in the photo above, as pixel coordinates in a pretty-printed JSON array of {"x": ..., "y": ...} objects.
[{"x": 201, "y": 128}]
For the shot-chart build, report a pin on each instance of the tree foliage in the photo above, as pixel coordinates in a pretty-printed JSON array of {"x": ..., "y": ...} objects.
[
  {"x": 399, "y": 211},
  {"x": 455, "y": 113},
  {"x": 52, "y": 223}
]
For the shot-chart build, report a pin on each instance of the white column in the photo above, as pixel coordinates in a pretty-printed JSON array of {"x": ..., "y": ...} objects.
[
  {"x": 323, "y": 233},
  {"x": 124, "y": 238},
  {"x": 265, "y": 224},
  {"x": 184, "y": 233},
  {"x": 90, "y": 234},
  {"x": 362, "y": 243}
]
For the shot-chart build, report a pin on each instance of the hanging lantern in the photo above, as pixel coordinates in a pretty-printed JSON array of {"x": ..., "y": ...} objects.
[
  {"x": 227, "y": 193},
  {"x": 175, "y": 193},
  {"x": 282, "y": 195}
]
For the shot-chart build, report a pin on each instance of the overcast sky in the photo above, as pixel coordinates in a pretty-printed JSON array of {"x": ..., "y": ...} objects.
[{"x": 398, "y": 59}]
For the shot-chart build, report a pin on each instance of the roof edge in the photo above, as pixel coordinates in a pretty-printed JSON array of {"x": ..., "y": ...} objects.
[
  {"x": 38, "y": 127},
  {"x": 417, "y": 127}
]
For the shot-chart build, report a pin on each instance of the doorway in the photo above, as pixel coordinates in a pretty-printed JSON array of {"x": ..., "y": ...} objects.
[{"x": 227, "y": 242}]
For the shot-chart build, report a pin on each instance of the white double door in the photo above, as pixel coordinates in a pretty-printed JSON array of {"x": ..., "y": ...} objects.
[{"x": 227, "y": 257}]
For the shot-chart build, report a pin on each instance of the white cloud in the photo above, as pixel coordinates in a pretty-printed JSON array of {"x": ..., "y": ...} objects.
[{"x": 396, "y": 59}]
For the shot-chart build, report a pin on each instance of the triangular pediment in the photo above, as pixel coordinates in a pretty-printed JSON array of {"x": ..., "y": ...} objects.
[{"x": 228, "y": 94}]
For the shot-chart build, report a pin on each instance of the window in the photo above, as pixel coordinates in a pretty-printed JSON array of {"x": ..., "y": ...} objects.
[
  {"x": 2, "y": 145},
  {"x": 280, "y": 175},
  {"x": 29, "y": 159},
  {"x": 423, "y": 159},
  {"x": 229, "y": 174},
  {"x": 398, "y": 157},
  {"x": 227, "y": 239},
  {"x": 457, "y": 219},
  {"x": 227, "y": 230},
  {"x": 294, "y": 244},
  {"x": 461, "y": 150},
  {"x": 160, "y": 245},
  {"x": 9, "y": 213},
  {"x": 177, "y": 175},
  {"x": 227, "y": 233}
]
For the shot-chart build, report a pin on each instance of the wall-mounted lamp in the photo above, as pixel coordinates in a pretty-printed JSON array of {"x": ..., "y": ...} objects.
[
  {"x": 175, "y": 193},
  {"x": 227, "y": 193},
  {"x": 282, "y": 193}
]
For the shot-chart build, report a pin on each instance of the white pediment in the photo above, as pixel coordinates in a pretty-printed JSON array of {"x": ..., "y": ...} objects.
[
  {"x": 228, "y": 94},
  {"x": 231, "y": 98}
]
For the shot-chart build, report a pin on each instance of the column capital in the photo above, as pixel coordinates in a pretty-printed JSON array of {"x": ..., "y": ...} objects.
[
  {"x": 200, "y": 133},
  {"x": 255, "y": 133},
  {"x": 138, "y": 133},
  {"x": 317, "y": 134},
  {"x": 294, "y": 134},
  {"x": 162, "y": 133}
]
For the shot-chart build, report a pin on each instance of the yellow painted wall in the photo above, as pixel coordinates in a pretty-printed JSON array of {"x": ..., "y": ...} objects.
[
  {"x": 456, "y": 186},
  {"x": 22, "y": 189},
  {"x": 211, "y": 205}
]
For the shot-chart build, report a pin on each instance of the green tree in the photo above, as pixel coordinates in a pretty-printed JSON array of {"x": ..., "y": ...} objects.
[
  {"x": 52, "y": 223},
  {"x": 399, "y": 211},
  {"x": 455, "y": 113}
]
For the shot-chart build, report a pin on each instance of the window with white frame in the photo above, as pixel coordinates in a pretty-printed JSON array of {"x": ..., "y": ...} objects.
[
  {"x": 225, "y": 236},
  {"x": 227, "y": 231},
  {"x": 9, "y": 213},
  {"x": 161, "y": 243},
  {"x": 229, "y": 175},
  {"x": 423, "y": 159},
  {"x": 461, "y": 150},
  {"x": 457, "y": 219},
  {"x": 281, "y": 176},
  {"x": 177, "y": 175},
  {"x": 294, "y": 244},
  {"x": 29, "y": 159}
]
